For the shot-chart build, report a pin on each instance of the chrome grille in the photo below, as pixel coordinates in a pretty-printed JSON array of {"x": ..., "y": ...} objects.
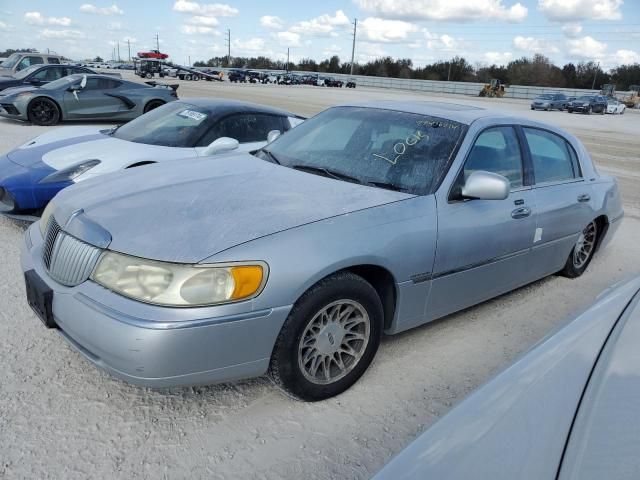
[{"x": 68, "y": 260}]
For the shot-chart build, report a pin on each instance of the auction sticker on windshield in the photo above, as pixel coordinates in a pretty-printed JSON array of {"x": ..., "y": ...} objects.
[{"x": 197, "y": 116}]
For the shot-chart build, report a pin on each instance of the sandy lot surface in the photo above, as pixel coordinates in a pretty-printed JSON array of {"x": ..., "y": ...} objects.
[{"x": 62, "y": 418}]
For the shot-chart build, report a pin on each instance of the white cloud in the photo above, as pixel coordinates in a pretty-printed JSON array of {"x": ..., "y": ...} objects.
[
  {"x": 441, "y": 42},
  {"x": 447, "y": 10},
  {"x": 626, "y": 57},
  {"x": 534, "y": 45},
  {"x": 205, "y": 9},
  {"x": 112, "y": 10},
  {"x": 36, "y": 18},
  {"x": 251, "y": 45},
  {"x": 586, "y": 48},
  {"x": 197, "y": 30},
  {"x": 4, "y": 26},
  {"x": 269, "y": 21},
  {"x": 114, "y": 26},
  {"x": 572, "y": 29},
  {"x": 386, "y": 31},
  {"x": 498, "y": 58},
  {"x": 332, "y": 50},
  {"x": 574, "y": 10},
  {"x": 61, "y": 34},
  {"x": 203, "y": 20},
  {"x": 324, "y": 25},
  {"x": 288, "y": 39}
]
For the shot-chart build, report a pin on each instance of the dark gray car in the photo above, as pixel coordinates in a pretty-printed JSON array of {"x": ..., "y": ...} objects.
[
  {"x": 568, "y": 410},
  {"x": 549, "y": 101},
  {"x": 84, "y": 97}
]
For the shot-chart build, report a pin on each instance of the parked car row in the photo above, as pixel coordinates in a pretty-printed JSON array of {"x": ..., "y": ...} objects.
[
  {"x": 286, "y": 78},
  {"x": 584, "y": 104}
]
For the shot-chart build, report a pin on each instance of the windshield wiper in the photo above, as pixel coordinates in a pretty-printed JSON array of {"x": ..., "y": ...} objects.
[
  {"x": 271, "y": 156},
  {"x": 113, "y": 130},
  {"x": 327, "y": 173},
  {"x": 389, "y": 186}
]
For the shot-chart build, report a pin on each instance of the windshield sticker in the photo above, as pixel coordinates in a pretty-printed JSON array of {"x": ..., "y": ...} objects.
[{"x": 197, "y": 116}]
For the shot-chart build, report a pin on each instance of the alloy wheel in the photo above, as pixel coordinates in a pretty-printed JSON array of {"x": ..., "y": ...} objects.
[
  {"x": 584, "y": 246},
  {"x": 334, "y": 341}
]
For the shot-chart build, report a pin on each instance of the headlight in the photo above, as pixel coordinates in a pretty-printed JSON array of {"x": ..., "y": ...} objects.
[
  {"x": 70, "y": 173},
  {"x": 585, "y": 104},
  {"x": 46, "y": 215},
  {"x": 180, "y": 285}
]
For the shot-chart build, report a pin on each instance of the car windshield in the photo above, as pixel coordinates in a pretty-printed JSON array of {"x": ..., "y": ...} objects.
[
  {"x": 383, "y": 148},
  {"x": 176, "y": 124},
  {"x": 584, "y": 98},
  {"x": 612, "y": 102},
  {"x": 23, "y": 73},
  {"x": 63, "y": 82},
  {"x": 545, "y": 97},
  {"x": 11, "y": 61}
]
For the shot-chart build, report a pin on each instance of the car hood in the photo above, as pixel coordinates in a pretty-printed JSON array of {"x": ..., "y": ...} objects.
[
  {"x": 177, "y": 214},
  {"x": 62, "y": 148},
  {"x": 14, "y": 90},
  {"x": 32, "y": 152}
]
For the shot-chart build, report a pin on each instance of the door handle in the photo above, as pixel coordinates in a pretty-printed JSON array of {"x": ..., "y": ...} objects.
[
  {"x": 585, "y": 197},
  {"x": 521, "y": 212}
]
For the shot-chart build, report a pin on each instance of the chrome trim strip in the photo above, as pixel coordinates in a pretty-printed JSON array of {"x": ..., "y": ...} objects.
[{"x": 169, "y": 324}]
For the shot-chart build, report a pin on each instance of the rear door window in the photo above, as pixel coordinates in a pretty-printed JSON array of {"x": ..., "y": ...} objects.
[
  {"x": 53, "y": 60},
  {"x": 554, "y": 160},
  {"x": 28, "y": 61}
]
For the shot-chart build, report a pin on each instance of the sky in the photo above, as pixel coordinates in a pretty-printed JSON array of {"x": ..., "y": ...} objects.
[{"x": 483, "y": 31}]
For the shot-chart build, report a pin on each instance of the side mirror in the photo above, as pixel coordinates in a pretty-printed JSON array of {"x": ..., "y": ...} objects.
[
  {"x": 222, "y": 144},
  {"x": 272, "y": 135},
  {"x": 74, "y": 88},
  {"x": 486, "y": 186},
  {"x": 83, "y": 82},
  {"x": 34, "y": 81}
]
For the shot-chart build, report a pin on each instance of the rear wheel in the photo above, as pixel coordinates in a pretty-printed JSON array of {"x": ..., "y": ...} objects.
[
  {"x": 582, "y": 252},
  {"x": 149, "y": 75},
  {"x": 329, "y": 339},
  {"x": 153, "y": 104},
  {"x": 43, "y": 111},
  {"x": 187, "y": 77}
]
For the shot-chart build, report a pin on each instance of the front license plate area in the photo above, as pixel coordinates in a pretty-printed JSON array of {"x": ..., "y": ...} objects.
[{"x": 40, "y": 298}]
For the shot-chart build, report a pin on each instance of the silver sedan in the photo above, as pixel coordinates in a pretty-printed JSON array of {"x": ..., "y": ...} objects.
[
  {"x": 367, "y": 219},
  {"x": 568, "y": 410}
]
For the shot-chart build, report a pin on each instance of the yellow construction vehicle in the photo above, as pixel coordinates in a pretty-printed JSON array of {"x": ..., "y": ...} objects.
[
  {"x": 493, "y": 89},
  {"x": 633, "y": 99}
]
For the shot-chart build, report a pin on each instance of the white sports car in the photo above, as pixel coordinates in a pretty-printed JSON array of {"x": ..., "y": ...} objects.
[
  {"x": 615, "y": 107},
  {"x": 33, "y": 173}
]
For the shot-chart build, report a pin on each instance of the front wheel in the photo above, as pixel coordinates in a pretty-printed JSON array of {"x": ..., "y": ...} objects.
[
  {"x": 582, "y": 252},
  {"x": 43, "y": 111},
  {"x": 589, "y": 110},
  {"x": 329, "y": 339}
]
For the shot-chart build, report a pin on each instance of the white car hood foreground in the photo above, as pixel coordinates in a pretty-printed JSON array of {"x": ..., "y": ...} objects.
[
  {"x": 172, "y": 213},
  {"x": 65, "y": 147}
]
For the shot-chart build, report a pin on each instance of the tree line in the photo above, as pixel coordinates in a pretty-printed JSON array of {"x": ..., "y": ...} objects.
[{"x": 532, "y": 71}]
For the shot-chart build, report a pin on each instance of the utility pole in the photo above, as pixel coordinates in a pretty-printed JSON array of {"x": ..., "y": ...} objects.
[
  {"x": 157, "y": 42},
  {"x": 129, "y": 47},
  {"x": 228, "y": 47},
  {"x": 449, "y": 73},
  {"x": 595, "y": 74},
  {"x": 118, "y": 50},
  {"x": 287, "y": 60},
  {"x": 189, "y": 60},
  {"x": 353, "y": 47}
]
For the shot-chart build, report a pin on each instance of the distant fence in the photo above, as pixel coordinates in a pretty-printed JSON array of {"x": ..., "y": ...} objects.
[{"x": 443, "y": 87}]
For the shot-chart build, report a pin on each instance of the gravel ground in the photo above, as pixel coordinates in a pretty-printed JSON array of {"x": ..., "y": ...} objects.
[{"x": 62, "y": 418}]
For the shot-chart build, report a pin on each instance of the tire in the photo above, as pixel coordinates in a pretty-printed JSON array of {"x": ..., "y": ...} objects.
[
  {"x": 152, "y": 104},
  {"x": 43, "y": 111},
  {"x": 149, "y": 75},
  {"x": 298, "y": 338},
  {"x": 196, "y": 78},
  {"x": 187, "y": 77},
  {"x": 569, "y": 110},
  {"x": 582, "y": 252},
  {"x": 589, "y": 111},
  {"x": 603, "y": 111}
]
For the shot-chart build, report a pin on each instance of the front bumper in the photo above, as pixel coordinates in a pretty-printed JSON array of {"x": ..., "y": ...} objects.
[
  {"x": 579, "y": 108},
  {"x": 20, "y": 190},
  {"x": 155, "y": 346},
  {"x": 10, "y": 110}
]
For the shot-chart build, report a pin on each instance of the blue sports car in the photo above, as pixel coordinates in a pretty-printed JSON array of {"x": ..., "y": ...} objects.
[{"x": 33, "y": 173}]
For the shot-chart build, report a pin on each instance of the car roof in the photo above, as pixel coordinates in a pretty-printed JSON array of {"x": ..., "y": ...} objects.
[
  {"x": 222, "y": 106},
  {"x": 466, "y": 114}
]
